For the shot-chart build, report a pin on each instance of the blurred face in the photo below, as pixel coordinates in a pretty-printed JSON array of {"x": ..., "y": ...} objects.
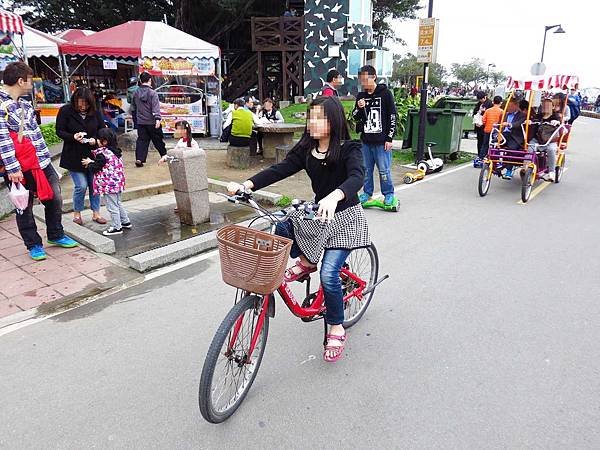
[
  {"x": 338, "y": 81},
  {"x": 82, "y": 105},
  {"x": 249, "y": 104},
  {"x": 367, "y": 82},
  {"x": 268, "y": 106},
  {"x": 547, "y": 108},
  {"x": 25, "y": 85},
  {"x": 318, "y": 125},
  {"x": 179, "y": 132},
  {"x": 512, "y": 107}
]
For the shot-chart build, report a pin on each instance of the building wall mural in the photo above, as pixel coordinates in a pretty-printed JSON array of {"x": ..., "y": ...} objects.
[{"x": 321, "y": 19}]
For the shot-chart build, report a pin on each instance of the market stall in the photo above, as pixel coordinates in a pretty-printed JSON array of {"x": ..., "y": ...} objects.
[
  {"x": 186, "y": 69},
  {"x": 11, "y": 38},
  {"x": 49, "y": 85}
]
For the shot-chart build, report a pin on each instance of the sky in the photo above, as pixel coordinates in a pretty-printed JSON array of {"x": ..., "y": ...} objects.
[{"x": 509, "y": 33}]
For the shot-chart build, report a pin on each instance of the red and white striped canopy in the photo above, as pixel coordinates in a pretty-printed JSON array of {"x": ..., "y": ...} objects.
[
  {"x": 544, "y": 83},
  {"x": 10, "y": 23}
]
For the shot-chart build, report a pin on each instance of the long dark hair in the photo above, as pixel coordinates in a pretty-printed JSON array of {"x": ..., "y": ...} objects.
[
  {"x": 83, "y": 93},
  {"x": 338, "y": 129},
  {"x": 108, "y": 135},
  {"x": 188, "y": 130}
]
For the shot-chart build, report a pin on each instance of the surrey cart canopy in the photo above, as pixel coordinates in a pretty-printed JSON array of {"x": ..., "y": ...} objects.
[
  {"x": 543, "y": 83},
  {"x": 136, "y": 39},
  {"x": 10, "y": 23}
]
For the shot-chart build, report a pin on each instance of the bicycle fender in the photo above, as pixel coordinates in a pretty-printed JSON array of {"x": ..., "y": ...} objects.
[{"x": 271, "y": 310}]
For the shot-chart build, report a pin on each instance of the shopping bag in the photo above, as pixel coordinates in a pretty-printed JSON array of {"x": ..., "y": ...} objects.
[{"x": 19, "y": 196}]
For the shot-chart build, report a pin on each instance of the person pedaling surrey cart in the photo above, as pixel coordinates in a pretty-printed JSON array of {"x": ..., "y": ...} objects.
[
  {"x": 254, "y": 262},
  {"x": 534, "y": 143}
]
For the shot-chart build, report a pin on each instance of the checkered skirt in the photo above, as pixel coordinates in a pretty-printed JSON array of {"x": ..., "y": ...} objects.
[{"x": 348, "y": 230}]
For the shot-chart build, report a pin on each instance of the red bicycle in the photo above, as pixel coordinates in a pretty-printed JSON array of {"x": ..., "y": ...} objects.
[{"x": 237, "y": 349}]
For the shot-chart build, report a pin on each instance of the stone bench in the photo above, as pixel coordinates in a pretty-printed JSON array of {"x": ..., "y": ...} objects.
[
  {"x": 281, "y": 152},
  {"x": 238, "y": 157}
]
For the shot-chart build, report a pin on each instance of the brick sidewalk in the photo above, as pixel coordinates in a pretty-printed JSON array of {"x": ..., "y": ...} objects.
[{"x": 66, "y": 273}]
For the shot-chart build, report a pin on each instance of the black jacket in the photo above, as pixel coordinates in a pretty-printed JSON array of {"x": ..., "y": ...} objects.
[
  {"x": 514, "y": 136},
  {"x": 69, "y": 122},
  {"x": 348, "y": 175},
  {"x": 377, "y": 120}
]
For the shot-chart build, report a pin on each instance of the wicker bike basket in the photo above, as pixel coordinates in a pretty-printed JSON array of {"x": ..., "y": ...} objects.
[{"x": 252, "y": 260}]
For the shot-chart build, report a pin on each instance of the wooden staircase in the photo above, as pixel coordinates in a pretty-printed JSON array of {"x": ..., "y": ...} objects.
[{"x": 241, "y": 79}]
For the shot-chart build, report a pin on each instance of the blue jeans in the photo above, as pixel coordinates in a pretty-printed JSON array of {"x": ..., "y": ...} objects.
[
  {"x": 84, "y": 181},
  {"x": 376, "y": 154},
  {"x": 332, "y": 262}
]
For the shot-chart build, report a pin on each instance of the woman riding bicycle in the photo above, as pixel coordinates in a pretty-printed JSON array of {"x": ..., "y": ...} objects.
[{"x": 334, "y": 165}]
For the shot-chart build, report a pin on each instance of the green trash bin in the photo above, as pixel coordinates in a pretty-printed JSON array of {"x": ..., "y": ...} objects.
[
  {"x": 465, "y": 103},
  {"x": 443, "y": 126}
]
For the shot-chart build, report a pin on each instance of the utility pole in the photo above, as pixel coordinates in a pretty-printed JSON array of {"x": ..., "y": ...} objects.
[{"x": 423, "y": 105}]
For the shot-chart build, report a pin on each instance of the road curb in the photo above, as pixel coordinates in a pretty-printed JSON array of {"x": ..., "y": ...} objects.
[{"x": 54, "y": 307}]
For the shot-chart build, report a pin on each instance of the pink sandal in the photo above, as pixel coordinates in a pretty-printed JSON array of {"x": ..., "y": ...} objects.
[
  {"x": 336, "y": 350},
  {"x": 289, "y": 276}
]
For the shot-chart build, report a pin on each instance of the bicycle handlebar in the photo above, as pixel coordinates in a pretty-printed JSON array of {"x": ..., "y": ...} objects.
[{"x": 245, "y": 198}]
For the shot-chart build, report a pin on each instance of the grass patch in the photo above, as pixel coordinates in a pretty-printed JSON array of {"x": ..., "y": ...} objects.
[
  {"x": 403, "y": 157},
  {"x": 49, "y": 133},
  {"x": 284, "y": 201}
]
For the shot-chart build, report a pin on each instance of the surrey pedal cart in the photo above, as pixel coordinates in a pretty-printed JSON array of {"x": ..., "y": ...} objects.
[{"x": 531, "y": 159}]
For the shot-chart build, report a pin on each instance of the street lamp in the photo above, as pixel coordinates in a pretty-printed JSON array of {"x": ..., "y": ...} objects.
[{"x": 559, "y": 30}]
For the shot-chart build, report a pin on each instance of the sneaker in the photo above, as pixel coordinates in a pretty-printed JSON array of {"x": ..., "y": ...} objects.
[
  {"x": 508, "y": 173},
  {"x": 37, "y": 253},
  {"x": 138, "y": 163},
  {"x": 64, "y": 242},
  {"x": 478, "y": 163},
  {"x": 112, "y": 230},
  {"x": 128, "y": 225},
  {"x": 388, "y": 200},
  {"x": 548, "y": 177},
  {"x": 363, "y": 197}
]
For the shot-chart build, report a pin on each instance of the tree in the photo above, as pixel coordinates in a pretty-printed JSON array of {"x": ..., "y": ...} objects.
[
  {"x": 383, "y": 10},
  {"x": 469, "y": 74},
  {"x": 407, "y": 69},
  {"x": 497, "y": 77},
  {"x": 58, "y": 15}
]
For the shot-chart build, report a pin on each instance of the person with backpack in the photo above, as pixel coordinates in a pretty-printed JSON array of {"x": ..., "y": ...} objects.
[{"x": 109, "y": 179}]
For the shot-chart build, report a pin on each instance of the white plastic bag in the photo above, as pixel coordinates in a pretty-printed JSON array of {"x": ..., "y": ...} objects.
[{"x": 19, "y": 196}]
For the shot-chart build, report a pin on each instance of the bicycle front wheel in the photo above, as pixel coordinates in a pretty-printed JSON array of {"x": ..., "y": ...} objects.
[
  {"x": 228, "y": 371},
  {"x": 364, "y": 263}
]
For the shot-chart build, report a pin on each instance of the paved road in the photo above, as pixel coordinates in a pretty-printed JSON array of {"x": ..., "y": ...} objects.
[{"x": 486, "y": 336}]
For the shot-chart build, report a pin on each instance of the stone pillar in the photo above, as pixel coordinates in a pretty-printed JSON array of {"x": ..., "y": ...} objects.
[{"x": 190, "y": 184}]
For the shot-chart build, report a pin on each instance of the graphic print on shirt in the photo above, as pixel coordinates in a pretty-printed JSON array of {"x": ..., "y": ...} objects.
[{"x": 374, "y": 122}]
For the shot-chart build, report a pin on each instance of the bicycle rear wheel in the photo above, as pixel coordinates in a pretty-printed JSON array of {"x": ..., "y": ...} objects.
[
  {"x": 228, "y": 374},
  {"x": 364, "y": 263}
]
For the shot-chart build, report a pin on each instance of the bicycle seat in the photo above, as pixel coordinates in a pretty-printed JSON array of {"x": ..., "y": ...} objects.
[{"x": 431, "y": 144}]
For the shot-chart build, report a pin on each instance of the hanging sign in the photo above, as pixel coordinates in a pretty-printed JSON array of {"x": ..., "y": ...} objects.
[
  {"x": 428, "y": 33},
  {"x": 109, "y": 64},
  {"x": 177, "y": 66}
]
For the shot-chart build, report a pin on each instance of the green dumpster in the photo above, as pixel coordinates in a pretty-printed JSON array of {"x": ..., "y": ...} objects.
[
  {"x": 443, "y": 126},
  {"x": 465, "y": 103}
]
